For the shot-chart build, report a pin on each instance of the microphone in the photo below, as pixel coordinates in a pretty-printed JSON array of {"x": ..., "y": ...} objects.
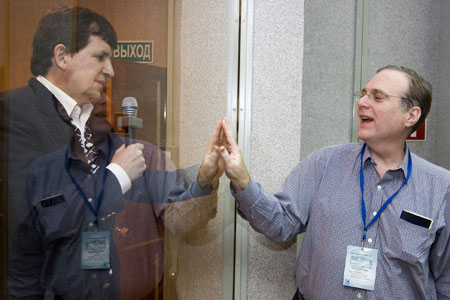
[
  {"x": 129, "y": 121},
  {"x": 129, "y": 106}
]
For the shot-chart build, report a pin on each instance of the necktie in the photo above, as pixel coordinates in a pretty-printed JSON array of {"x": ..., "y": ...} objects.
[{"x": 84, "y": 143}]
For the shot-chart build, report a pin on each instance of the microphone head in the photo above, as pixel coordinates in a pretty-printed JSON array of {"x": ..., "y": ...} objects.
[{"x": 129, "y": 106}]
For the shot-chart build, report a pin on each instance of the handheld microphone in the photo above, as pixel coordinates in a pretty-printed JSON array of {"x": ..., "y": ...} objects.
[
  {"x": 129, "y": 121},
  {"x": 129, "y": 106}
]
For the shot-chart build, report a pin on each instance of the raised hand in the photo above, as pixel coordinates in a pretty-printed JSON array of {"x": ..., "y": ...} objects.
[
  {"x": 131, "y": 159},
  {"x": 212, "y": 164},
  {"x": 235, "y": 168}
]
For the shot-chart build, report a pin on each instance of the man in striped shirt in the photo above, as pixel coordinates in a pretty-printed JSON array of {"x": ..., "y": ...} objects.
[{"x": 376, "y": 217}]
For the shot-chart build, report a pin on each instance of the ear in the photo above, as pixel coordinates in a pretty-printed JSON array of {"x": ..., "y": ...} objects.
[
  {"x": 60, "y": 57},
  {"x": 413, "y": 116}
]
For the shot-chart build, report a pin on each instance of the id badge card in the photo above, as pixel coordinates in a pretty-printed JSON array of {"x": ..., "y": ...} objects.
[
  {"x": 95, "y": 248},
  {"x": 360, "y": 267}
]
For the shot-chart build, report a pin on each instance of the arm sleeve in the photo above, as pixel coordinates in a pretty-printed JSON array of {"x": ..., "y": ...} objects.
[
  {"x": 440, "y": 255},
  {"x": 177, "y": 197},
  {"x": 121, "y": 175},
  {"x": 285, "y": 214},
  {"x": 26, "y": 256}
]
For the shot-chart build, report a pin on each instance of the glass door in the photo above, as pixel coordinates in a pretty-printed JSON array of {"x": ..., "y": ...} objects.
[{"x": 173, "y": 57}]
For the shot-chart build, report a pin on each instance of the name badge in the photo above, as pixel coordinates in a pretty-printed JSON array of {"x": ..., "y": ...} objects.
[
  {"x": 95, "y": 250},
  {"x": 360, "y": 267}
]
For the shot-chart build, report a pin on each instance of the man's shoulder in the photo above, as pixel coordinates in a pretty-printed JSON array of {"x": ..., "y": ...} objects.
[
  {"x": 26, "y": 97},
  {"x": 23, "y": 92},
  {"x": 334, "y": 156},
  {"x": 339, "y": 151},
  {"x": 424, "y": 166}
]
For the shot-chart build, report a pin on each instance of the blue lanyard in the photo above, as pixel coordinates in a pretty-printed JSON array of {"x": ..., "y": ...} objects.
[
  {"x": 386, "y": 203},
  {"x": 80, "y": 190}
]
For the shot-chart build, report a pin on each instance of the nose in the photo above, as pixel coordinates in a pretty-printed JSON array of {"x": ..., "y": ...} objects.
[
  {"x": 363, "y": 101},
  {"x": 108, "y": 69}
]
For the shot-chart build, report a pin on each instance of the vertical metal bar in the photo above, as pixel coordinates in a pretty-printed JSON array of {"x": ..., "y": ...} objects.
[
  {"x": 168, "y": 113},
  {"x": 361, "y": 57},
  {"x": 4, "y": 148},
  {"x": 244, "y": 138},
  {"x": 232, "y": 115}
]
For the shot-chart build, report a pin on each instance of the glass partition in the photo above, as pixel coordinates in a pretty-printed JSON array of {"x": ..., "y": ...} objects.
[{"x": 166, "y": 237}]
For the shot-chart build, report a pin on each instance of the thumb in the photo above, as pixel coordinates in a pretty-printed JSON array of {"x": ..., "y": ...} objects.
[
  {"x": 225, "y": 155},
  {"x": 121, "y": 148}
]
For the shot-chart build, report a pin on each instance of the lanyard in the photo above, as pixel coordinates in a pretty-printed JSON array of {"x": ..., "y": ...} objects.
[
  {"x": 386, "y": 203},
  {"x": 80, "y": 190}
]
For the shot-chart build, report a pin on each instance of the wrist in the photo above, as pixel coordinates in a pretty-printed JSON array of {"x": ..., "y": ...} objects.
[
  {"x": 203, "y": 181},
  {"x": 242, "y": 183}
]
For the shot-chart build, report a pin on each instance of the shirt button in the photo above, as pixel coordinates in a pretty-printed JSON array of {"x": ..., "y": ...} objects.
[
  {"x": 359, "y": 295},
  {"x": 91, "y": 224},
  {"x": 379, "y": 187},
  {"x": 374, "y": 213},
  {"x": 106, "y": 285},
  {"x": 90, "y": 199},
  {"x": 370, "y": 241}
]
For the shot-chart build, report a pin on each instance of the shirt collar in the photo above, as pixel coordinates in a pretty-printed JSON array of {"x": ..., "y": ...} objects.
[
  {"x": 367, "y": 158},
  {"x": 79, "y": 115},
  {"x": 66, "y": 101}
]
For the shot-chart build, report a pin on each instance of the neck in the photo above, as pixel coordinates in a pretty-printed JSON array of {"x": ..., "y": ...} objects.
[
  {"x": 60, "y": 82},
  {"x": 387, "y": 156}
]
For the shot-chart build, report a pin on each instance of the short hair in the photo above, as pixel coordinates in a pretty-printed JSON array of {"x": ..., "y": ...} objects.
[
  {"x": 72, "y": 27},
  {"x": 419, "y": 93}
]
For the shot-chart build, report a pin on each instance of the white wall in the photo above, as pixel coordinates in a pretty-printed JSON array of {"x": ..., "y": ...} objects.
[
  {"x": 275, "y": 133},
  {"x": 200, "y": 85}
]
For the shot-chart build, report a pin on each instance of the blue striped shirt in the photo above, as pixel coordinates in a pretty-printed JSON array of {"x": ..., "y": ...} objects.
[{"x": 322, "y": 197}]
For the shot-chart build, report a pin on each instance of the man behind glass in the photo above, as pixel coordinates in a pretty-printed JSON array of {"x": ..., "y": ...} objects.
[{"x": 72, "y": 51}]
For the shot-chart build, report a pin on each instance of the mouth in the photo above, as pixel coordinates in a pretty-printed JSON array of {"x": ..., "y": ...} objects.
[
  {"x": 365, "y": 119},
  {"x": 101, "y": 83}
]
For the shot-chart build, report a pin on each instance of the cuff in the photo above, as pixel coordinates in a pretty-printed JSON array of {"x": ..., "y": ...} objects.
[
  {"x": 121, "y": 175},
  {"x": 249, "y": 196},
  {"x": 197, "y": 190}
]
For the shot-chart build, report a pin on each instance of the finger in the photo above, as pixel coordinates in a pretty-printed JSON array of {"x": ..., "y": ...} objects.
[
  {"x": 139, "y": 146},
  {"x": 215, "y": 155},
  {"x": 225, "y": 155},
  {"x": 228, "y": 133},
  {"x": 121, "y": 148},
  {"x": 215, "y": 138}
]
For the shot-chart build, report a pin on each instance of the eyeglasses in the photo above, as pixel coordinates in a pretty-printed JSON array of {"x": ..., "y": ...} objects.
[{"x": 377, "y": 95}]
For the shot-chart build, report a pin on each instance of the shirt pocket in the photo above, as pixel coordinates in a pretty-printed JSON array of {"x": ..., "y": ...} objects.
[
  {"x": 54, "y": 221},
  {"x": 415, "y": 240}
]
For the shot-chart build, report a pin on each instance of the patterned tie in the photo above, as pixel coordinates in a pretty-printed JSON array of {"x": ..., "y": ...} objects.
[{"x": 84, "y": 143}]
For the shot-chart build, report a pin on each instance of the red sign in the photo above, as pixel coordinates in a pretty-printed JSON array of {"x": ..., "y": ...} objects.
[{"x": 419, "y": 134}]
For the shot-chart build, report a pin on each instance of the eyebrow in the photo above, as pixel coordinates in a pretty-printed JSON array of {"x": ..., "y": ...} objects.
[
  {"x": 374, "y": 91},
  {"x": 104, "y": 53},
  {"x": 379, "y": 91}
]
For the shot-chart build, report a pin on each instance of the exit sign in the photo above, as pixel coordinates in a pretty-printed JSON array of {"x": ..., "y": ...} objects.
[
  {"x": 137, "y": 51},
  {"x": 419, "y": 134}
]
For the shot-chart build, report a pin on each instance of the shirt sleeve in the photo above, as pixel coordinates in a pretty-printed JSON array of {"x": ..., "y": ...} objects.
[
  {"x": 180, "y": 200},
  {"x": 121, "y": 175},
  {"x": 283, "y": 215},
  {"x": 26, "y": 256},
  {"x": 440, "y": 255}
]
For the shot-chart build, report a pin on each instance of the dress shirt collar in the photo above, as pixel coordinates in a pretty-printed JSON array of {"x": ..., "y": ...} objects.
[
  {"x": 79, "y": 115},
  {"x": 367, "y": 158}
]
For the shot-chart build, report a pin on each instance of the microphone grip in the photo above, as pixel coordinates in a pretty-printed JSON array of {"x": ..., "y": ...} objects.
[{"x": 130, "y": 136}]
